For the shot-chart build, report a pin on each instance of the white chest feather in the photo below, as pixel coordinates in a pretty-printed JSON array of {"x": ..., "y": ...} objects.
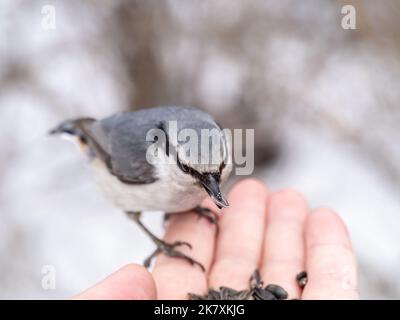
[{"x": 174, "y": 191}]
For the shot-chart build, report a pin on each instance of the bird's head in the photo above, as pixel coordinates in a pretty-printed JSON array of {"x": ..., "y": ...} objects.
[{"x": 205, "y": 159}]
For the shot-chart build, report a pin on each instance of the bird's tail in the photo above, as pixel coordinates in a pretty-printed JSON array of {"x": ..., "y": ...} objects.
[{"x": 74, "y": 127}]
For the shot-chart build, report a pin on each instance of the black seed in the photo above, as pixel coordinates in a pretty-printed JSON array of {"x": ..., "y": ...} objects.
[
  {"x": 213, "y": 294},
  {"x": 193, "y": 296},
  {"x": 244, "y": 295},
  {"x": 302, "y": 279},
  {"x": 277, "y": 291},
  {"x": 255, "y": 280},
  {"x": 228, "y": 293},
  {"x": 261, "y": 294},
  {"x": 255, "y": 292}
]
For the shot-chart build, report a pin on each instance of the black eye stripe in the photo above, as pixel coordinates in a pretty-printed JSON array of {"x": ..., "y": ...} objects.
[
  {"x": 197, "y": 175},
  {"x": 188, "y": 170}
]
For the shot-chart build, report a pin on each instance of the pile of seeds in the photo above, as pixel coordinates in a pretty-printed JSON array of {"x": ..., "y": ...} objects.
[{"x": 255, "y": 291}]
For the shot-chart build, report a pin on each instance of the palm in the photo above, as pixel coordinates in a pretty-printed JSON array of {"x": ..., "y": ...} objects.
[{"x": 275, "y": 232}]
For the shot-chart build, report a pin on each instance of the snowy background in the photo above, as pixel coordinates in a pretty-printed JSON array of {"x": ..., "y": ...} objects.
[{"x": 324, "y": 103}]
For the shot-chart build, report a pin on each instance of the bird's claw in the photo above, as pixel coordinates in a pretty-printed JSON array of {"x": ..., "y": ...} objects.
[
  {"x": 169, "y": 250},
  {"x": 208, "y": 214},
  {"x": 202, "y": 212}
]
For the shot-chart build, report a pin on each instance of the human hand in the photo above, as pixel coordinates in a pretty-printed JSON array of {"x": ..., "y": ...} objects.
[{"x": 273, "y": 231}]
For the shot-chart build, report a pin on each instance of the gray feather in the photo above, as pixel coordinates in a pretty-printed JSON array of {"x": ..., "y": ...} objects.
[{"x": 123, "y": 137}]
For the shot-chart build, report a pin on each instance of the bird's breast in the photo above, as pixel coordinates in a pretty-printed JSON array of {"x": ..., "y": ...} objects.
[{"x": 168, "y": 194}]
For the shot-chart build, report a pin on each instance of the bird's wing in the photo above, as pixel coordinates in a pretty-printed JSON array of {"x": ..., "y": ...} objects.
[
  {"x": 122, "y": 137},
  {"x": 124, "y": 143}
]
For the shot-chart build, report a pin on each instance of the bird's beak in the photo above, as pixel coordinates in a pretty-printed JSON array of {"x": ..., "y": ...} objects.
[{"x": 211, "y": 185}]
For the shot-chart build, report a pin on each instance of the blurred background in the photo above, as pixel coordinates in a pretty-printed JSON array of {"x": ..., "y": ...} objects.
[{"x": 324, "y": 102}]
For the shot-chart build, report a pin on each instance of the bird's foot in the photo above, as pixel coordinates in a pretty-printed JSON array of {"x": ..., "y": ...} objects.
[
  {"x": 202, "y": 212},
  {"x": 210, "y": 215},
  {"x": 169, "y": 250}
]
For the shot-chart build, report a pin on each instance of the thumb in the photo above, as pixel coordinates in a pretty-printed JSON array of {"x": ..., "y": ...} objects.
[{"x": 131, "y": 282}]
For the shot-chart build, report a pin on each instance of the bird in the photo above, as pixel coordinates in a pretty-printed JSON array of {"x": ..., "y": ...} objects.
[{"x": 156, "y": 159}]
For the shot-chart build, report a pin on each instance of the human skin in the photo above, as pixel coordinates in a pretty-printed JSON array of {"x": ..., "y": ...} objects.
[{"x": 275, "y": 232}]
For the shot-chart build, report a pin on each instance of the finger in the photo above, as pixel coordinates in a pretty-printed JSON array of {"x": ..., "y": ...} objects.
[
  {"x": 175, "y": 277},
  {"x": 283, "y": 253},
  {"x": 240, "y": 238},
  {"x": 330, "y": 261},
  {"x": 132, "y": 282}
]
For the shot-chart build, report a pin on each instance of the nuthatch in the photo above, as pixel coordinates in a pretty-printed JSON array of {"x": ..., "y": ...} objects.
[{"x": 143, "y": 165}]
